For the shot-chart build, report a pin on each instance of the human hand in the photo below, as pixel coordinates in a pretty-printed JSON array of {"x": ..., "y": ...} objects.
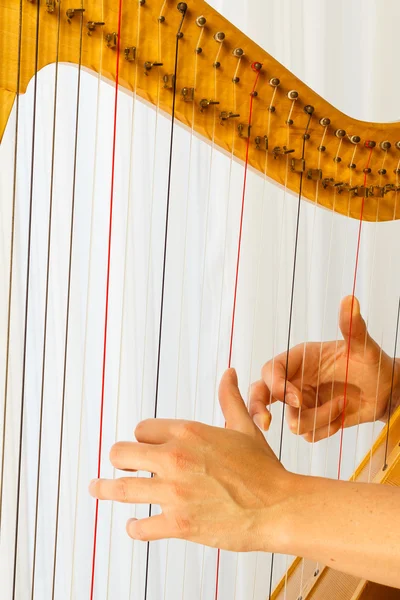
[
  {"x": 316, "y": 381},
  {"x": 218, "y": 487}
]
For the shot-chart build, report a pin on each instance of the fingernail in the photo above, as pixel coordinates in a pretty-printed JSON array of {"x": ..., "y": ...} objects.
[
  {"x": 259, "y": 421},
  {"x": 341, "y": 404},
  {"x": 292, "y": 399},
  {"x": 92, "y": 485}
]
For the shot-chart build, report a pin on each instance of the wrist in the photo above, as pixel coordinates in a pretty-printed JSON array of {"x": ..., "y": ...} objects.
[{"x": 277, "y": 521}]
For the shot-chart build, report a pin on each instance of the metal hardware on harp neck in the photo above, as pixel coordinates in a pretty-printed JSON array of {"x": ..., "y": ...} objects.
[{"x": 71, "y": 12}]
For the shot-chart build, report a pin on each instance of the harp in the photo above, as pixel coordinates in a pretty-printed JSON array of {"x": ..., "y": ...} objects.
[{"x": 121, "y": 263}]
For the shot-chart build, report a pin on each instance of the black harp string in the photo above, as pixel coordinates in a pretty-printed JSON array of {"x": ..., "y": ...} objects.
[
  {"x": 71, "y": 239},
  {"x": 46, "y": 302},
  {"x": 26, "y": 309},
  {"x": 11, "y": 265},
  {"x": 385, "y": 464},
  {"x": 297, "y": 229},
  {"x": 182, "y": 7}
]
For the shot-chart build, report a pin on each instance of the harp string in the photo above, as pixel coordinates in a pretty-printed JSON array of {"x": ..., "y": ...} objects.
[
  {"x": 297, "y": 453},
  {"x": 351, "y": 317},
  {"x": 26, "y": 302},
  {"x": 367, "y": 326},
  {"x": 256, "y": 303},
  {"x": 385, "y": 464},
  {"x": 274, "y": 336},
  {"x": 87, "y": 304},
  {"x": 239, "y": 245},
  {"x": 342, "y": 292},
  {"x": 66, "y": 338},
  {"x": 178, "y": 370},
  {"x": 114, "y": 143},
  {"x": 223, "y": 260},
  {"x": 46, "y": 302},
  {"x": 164, "y": 260},
  {"x": 122, "y": 328},
  {"x": 149, "y": 252},
  {"x": 297, "y": 229},
  {"x": 11, "y": 265}
]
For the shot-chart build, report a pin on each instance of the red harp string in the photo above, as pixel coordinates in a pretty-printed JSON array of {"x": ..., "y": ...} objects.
[
  {"x": 367, "y": 144},
  {"x": 256, "y": 68},
  {"x": 107, "y": 293}
]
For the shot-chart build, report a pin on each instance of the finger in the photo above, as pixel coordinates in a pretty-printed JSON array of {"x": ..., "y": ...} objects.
[
  {"x": 352, "y": 324},
  {"x": 325, "y": 431},
  {"x": 131, "y": 456},
  {"x": 156, "y": 431},
  {"x": 150, "y": 529},
  {"x": 134, "y": 490},
  {"x": 232, "y": 404},
  {"x": 311, "y": 419},
  {"x": 260, "y": 398},
  {"x": 276, "y": 371}
]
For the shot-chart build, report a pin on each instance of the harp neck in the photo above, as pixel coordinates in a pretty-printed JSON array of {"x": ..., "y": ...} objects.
[{"x": 332, "y": 175}]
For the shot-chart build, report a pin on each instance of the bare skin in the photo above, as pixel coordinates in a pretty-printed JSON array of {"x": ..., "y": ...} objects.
[
  {"x": 316, "y": 382},
  {"x": 225, "y": 488}
]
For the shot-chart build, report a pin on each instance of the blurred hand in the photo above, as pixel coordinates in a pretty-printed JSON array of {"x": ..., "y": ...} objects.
[
  {"x": 220, "y": 487},
  {"x": 316, "y": 381}
]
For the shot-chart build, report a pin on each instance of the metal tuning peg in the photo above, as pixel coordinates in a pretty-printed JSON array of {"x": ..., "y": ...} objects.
[
  {"x": 91, "y": 26},
  {"x": 225, "y": 115},
  {"x": 205, "y": 103},
  {"x": 281, "y": 151},
  {"x": 71, "y": 12},
  {"x": 149, "y": 65}
]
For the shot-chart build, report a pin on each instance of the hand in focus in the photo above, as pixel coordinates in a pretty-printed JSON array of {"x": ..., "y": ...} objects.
[
  {"x": 218, "y": 487},
  {"x": 316, "y": 381}
]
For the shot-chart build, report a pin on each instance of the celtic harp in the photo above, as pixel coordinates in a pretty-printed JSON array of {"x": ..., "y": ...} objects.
[{"x": 163, "y": 180}]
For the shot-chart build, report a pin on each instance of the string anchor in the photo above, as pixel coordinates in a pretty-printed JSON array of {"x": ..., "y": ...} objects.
[
  {"x": 297, "y": 165},
  {"x": 187, "y": 94},
  {"x": 258, "y": 141},
  {"x": 91, "y": 25},
  {"x": 169, "y": 81},
  {"x": 71, "y": 12},
  {"x": 130, "y": 53},
  {"x": 244, "y": 130},
  {"x": 50, "y": 6},
  {"x": 314, "y": 174},
  {"x": 111, "y": 39}
]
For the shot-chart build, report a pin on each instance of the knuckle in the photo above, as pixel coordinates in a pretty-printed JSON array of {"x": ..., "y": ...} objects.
[
  {"x": 122, "y": 489},
  {"x": 182, "y": 526},
  {"x": 188, "y": 429},
  {"x": 177, "y": 490},
  {"x": 179, "y": 458}
]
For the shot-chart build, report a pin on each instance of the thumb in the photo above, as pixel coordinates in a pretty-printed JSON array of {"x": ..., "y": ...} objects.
[
  {"x": 232, "y": 404},
  {"x": 351, "y": 323}
]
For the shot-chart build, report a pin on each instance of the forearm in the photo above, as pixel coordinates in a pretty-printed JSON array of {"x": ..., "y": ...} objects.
[{"x": 351, "y": 527}]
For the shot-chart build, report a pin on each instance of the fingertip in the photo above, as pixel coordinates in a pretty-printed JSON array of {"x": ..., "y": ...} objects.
[
  {"x": 93, "y": 487},
  {"x": 263, "y": 420},
  {"x": 130, "y": 524},
  {"x": 293, "y": 399},
  {"x": 232, "y": 375}
]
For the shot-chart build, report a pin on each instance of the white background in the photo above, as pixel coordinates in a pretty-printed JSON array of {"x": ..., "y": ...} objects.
[{"x": 345, "y": 52}]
